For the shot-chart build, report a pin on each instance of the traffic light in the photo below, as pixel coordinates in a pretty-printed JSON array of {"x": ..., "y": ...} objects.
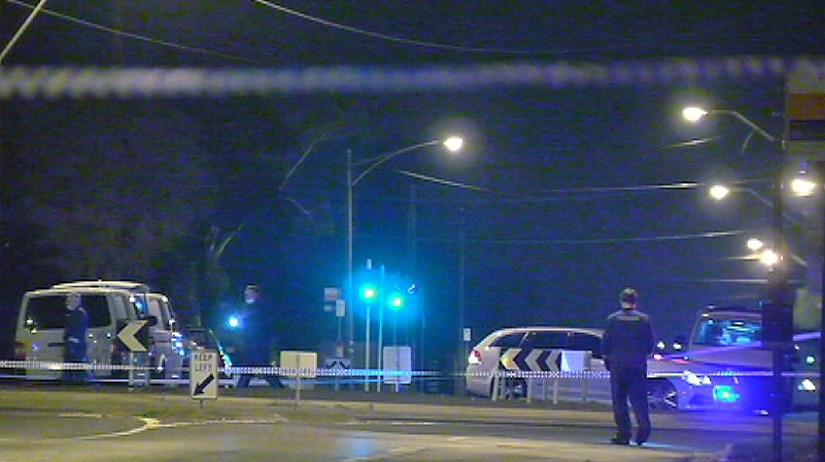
[
  {"x": 396, "y": 301},
  {"x": 368, "y": 292}
]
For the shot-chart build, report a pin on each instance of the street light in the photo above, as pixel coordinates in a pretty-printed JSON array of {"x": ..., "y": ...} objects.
[
  {"x": 799, "y": 186},
  {"x": 694, "y": 114},
  {"x": 778, "y": 273},
  {"x": 453, "y": 144},
  {"x": 767, "y": 256}
]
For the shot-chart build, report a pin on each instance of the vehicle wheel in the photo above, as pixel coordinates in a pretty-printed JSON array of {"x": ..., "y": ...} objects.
[
  {"x": 662, "y": 395},
  {"x": 514, "y": 389}
]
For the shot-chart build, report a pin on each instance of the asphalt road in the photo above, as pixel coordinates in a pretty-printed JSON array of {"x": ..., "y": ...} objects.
[{"x": 264, "y": 424}]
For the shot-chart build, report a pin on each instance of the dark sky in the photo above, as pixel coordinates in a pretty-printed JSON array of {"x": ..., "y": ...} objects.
[{"x": 560, "y": 215}]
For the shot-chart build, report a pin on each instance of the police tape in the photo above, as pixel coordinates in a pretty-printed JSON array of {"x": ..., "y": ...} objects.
[
  {"x": 29, "y": 367},
  {"x": 77, "y": 82}
]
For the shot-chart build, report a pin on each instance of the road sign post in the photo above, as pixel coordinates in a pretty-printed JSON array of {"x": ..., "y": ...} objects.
[
  {"x": 134, "y": 335},
  {"x": 299, "y": 365},
  {"x": 397, "y": 366},
  {"x": 203, "y": 374}
]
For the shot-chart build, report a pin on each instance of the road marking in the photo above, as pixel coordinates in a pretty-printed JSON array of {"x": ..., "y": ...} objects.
[{"x": 153, "y": 424}]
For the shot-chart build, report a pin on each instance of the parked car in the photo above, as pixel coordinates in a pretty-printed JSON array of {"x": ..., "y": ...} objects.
[
  {"x": 524, "y": 357},
  {"x": 204, "y": 337},
  {"x": 731, "y": 337}
]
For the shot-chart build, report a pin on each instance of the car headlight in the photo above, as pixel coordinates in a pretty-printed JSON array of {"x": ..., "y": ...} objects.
[
  {"x": 806, "y": 385},
  {"x": 696, "y": 380}
]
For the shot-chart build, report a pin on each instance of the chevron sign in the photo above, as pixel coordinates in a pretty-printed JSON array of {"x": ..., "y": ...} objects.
[{"x": 528, "y": 359}]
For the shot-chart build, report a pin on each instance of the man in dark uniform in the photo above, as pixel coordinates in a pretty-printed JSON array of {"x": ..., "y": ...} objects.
[
  {"x": 628, "y": 341},
  {"x": 74, "y": 338},
  {"x": 254, "y": 341}
]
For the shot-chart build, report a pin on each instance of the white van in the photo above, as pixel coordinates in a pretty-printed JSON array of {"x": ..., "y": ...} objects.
[
  {"x": 41, "y": 322},
  {"x": 165, "y": 350}
]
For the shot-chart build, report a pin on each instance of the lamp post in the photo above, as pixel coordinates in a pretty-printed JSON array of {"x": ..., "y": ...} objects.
[
  {"x": 452, "y": 144},
  {"x": 778, "y": 274}
]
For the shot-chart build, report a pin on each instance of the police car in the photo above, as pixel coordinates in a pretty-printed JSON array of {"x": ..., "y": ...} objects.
[{"x": 566, "y": 363}]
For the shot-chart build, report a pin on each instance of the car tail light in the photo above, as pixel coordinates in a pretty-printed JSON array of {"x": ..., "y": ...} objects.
[{"x": 474, "y": 358}]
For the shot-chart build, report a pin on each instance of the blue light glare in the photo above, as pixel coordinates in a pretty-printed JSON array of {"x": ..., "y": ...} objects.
[
  {"x": 725, "y": 394},
  {"x": 233, "y": 322}
]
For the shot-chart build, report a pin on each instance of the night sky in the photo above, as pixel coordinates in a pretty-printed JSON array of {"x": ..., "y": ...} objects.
[{"x": 554, "y": 205}]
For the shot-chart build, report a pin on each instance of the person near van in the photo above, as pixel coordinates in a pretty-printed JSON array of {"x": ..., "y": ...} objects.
[
  {"x": 627, "y": 342},
  {"x": 74, "y": 338}
]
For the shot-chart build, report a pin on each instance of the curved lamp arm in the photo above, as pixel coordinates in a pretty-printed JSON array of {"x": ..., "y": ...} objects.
[{"x": 376, "y": 161}]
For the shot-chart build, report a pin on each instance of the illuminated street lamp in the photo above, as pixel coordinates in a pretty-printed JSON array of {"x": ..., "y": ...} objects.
[
  {"x": 803, "y": 187},
  {"x": 799, "y": 187},
  {"x": 755, "y": 244},
  {"x": 453, "y": 144},
  {"x": 694, "y": 114},
  {"x": 768, "y": 256}
]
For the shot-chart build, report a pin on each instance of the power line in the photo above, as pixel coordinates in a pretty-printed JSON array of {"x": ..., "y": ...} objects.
[
  {"x": 130, "y": 35},
  {"x": 594, "y": 241},
  {"x": 402, "y": 40},
  {"x": 22, "y": 29}
]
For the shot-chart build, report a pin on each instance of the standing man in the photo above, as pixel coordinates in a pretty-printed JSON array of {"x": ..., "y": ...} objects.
[
  {"x": 74, "y": 338},
  {"x": 627, "y": 343}
]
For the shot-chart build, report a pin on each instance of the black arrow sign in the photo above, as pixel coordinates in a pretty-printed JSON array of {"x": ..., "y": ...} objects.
[
  {"x": 201, "y": 387},
  {"x": 521, "y": 359},
  {"x": 542, "y": 361}
]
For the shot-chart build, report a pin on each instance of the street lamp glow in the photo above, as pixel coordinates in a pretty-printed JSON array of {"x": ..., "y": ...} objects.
[
  {"x": 769, "y": 257},
  {"x": 755, "y": 244},
  {"x": 719, "y": 191},
  {"x": 453, "y": 143},
  {"x": 803, "y": 187},
  {"x": 693, "y": 113}
]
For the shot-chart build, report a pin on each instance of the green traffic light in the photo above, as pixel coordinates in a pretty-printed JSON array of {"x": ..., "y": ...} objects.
[
  {"x": 396, "y": 301},
  {"x": 369, "y": 292}
]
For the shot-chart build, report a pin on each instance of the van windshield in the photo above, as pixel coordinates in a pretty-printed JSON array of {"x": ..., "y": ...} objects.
[
  {"x": 49, "y": 312},
  {"x": 723, "y": 332}
]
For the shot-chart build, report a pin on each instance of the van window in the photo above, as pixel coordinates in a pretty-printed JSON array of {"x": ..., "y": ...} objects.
[
  {"x": 547, "y": 340},
  {"x": 49, "y": 312},
  {"x": 508, "y": 341},
  {"x": 156, "y": 310},
  {"x": 135, "y": 307},
  {"x": 125, "y": 307}
]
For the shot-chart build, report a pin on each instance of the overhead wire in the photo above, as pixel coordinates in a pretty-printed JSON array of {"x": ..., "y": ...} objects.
[
  {"x": 142, "y": 38},
  {"x": 393, "y": 38},
  {"x": 594, "y": 241},
  {"x": 37, "y": 9}
]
